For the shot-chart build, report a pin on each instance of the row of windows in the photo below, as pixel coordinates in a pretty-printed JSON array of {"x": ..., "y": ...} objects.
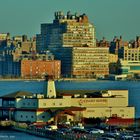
[
  {"x": 44, "y": 104},
  {"x": 108, "y": 110},
  {"x": 28, "y": 103},
  {"x": 132, "y": 51},
  {"x": 31, "y": 116},
  {"x": 87, "y": 59},
  {"x": 26, "y": 116},
  {"x": 92, "y": 63}
]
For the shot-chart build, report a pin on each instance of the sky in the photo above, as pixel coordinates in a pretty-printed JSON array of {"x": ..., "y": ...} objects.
[{"x": 110, "y": 17}]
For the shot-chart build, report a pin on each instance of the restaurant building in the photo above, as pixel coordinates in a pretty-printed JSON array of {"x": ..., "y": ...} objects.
[{"x": 65, "y": 105}]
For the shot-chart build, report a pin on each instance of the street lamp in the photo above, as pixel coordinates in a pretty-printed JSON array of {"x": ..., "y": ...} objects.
[{"x": 110, "y": 111}]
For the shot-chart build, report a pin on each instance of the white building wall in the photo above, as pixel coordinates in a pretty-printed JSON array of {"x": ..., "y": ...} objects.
[
  {"x": 51, "y": 103},
  {"x": 99, "y": 102},
  {"x": 119, "y": 93},
  {"x": 26, "y": 103},
  {"x": 123, "y": 112},
  {"x": 25, "y": 116},
  {"x": 43, "y": 116}
]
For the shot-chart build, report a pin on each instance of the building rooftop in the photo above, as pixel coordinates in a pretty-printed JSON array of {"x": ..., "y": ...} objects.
[
  {"x": 80, "y": 92},
  {"x": 17, "y": 94}
]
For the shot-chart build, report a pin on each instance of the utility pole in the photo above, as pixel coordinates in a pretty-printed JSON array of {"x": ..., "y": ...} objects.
[{"x": 110, "y": 110}]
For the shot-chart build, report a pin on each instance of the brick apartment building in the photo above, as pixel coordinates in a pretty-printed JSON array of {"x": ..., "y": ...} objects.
[{"x": 38, "y": 68}]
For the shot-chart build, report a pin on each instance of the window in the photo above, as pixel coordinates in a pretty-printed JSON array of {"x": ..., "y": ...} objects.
[
  {"x": 43, "y": 117},
  {"x": 21, "y": 116},
  {"x": 32, "y": 116},
  {"x": 26, "y": 116}
]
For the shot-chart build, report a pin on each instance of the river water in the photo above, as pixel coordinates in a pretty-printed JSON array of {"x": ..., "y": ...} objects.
[
  {"x": 37, "y": 87},
  {"x": 12, "y": 135}
]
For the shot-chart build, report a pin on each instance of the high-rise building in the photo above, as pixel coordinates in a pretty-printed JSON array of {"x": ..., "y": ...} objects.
[
  {"x": 90, "y": 62},
  {"x": 4, "y": 40},
  {"x": 23, "y": 44},
  {"x": 117, "y": 44},
  {"x": 19, "y": 59},
  {"x": 135, "y": 43},
  {"x": 130, "y": 63},
  {"x": 72, "y": 30},
  {"x": 113, "y": 63},
  {"x": 131, "y": 54},
  {"x": 9, "y": 68},
  {"x": 70, "y": 35},
  {"x": 4, "y": 36}
]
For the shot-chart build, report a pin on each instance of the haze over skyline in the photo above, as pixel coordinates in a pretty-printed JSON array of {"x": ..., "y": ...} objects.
[{"x": 110, "y": 18}]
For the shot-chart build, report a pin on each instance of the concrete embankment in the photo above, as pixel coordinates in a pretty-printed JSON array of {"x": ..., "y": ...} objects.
[
  {"x": 19, "y": 79},
  {"x": 61, "y": 79},
  {"x": 77, "y": 79}
]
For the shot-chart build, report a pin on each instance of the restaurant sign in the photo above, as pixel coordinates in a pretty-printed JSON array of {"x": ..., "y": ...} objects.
[{"x": 93, "y": 101}]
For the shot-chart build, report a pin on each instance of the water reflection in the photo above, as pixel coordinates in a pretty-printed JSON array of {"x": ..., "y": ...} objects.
[{"x": 13, "y": 135}]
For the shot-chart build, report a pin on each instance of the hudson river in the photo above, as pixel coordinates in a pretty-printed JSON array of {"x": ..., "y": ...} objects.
[
  {"x": 37, "y": 87},
  {"x": 13, "y": 135}
]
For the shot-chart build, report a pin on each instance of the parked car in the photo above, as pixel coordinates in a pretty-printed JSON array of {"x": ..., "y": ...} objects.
[
  {"x": 127, "y": 137},
  {"x": 51, "y": 127},
  {"x": 78, "y": 127},
  {"x": 63, "y": 131},
  {"x": 96, "y": 131},
  {"x": 105, "y": 138},
  {"x": 108, "y": 135},
  {"x": 115, "y": 133},
  {"x": 79, "y": 130}
]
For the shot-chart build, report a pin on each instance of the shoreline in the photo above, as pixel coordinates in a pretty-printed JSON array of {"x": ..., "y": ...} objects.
[
  {"x": 61, "y": 79},
  {"x": 17, "y": 79},
  {"x": 65, "y": 79}
]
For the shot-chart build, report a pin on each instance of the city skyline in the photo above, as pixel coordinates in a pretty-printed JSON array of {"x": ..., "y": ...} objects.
[{"x": 110, "y": 18}]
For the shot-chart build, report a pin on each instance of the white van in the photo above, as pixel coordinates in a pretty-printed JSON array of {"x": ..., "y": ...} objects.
[{"x": 51, "y": 127}]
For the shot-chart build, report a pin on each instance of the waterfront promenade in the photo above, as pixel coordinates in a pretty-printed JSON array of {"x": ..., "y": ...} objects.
[
  {"x": 54, "y": 135},
  {"x": 79, "y": 135}
]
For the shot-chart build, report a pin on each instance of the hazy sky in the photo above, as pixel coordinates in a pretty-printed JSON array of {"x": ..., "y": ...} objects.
[{"x": 110, "y": 17}]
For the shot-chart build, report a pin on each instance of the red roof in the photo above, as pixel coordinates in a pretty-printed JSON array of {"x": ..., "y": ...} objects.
[
  {"x": 65, "y": 112},
  {"x": 76, "y": 109}
]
